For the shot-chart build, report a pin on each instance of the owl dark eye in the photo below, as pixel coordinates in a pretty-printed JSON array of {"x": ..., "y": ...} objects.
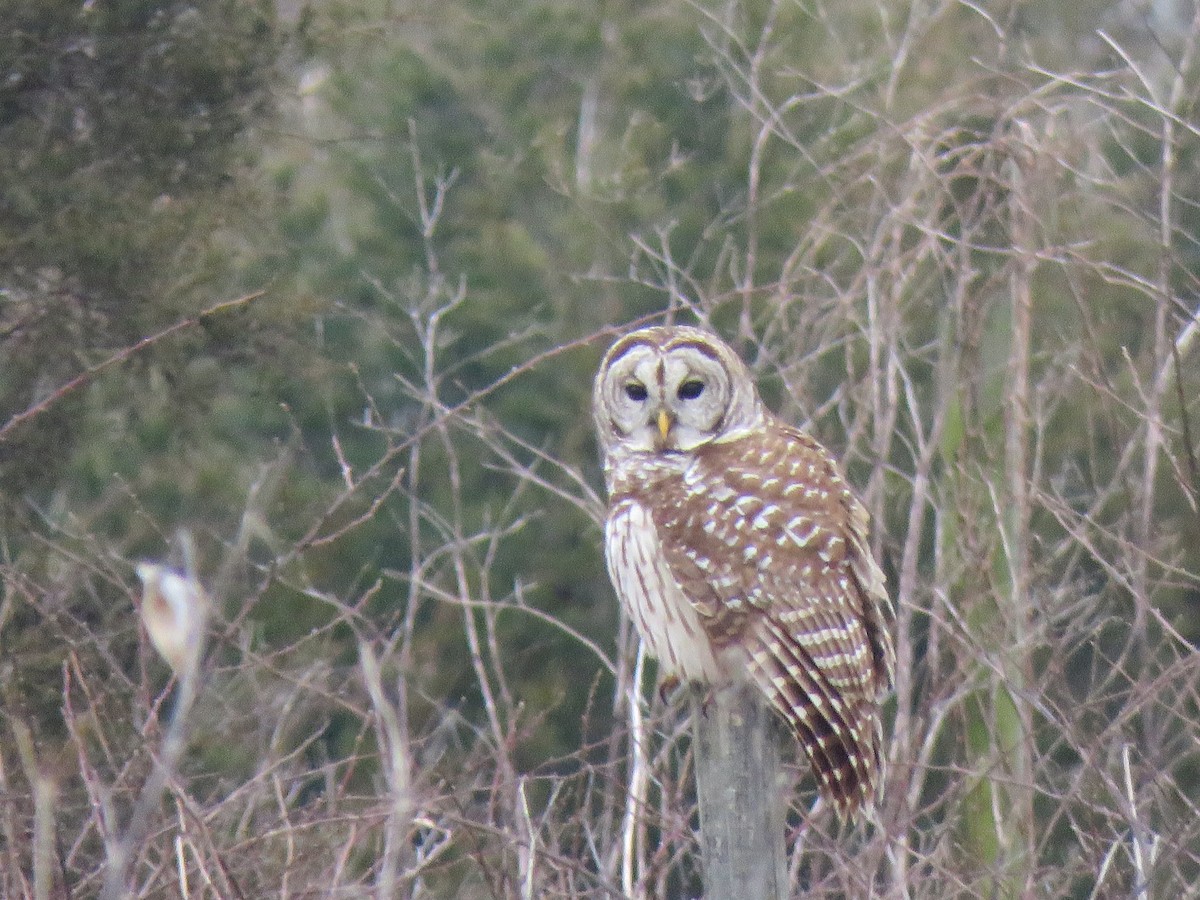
[
  {"x": 691, "y": 389},
  {"x": 636, "y": 391}
]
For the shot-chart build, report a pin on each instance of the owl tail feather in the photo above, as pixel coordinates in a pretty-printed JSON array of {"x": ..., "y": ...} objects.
[{"x": 840, "y": 737}]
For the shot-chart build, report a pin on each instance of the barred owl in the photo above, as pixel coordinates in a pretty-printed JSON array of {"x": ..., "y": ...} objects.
[{"x": 739, "y": 551}]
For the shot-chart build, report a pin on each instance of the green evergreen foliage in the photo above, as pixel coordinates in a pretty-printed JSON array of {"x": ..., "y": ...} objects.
[{"x": 122, "y": 131}]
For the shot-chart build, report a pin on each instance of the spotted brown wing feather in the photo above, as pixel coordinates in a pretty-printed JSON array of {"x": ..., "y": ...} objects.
[{"x": 765, "y": 538}]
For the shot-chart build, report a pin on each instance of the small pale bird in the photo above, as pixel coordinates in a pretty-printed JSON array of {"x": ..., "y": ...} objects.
[
  {"x": 740, "y": 552},
  {"x": 174, "y": 610}
]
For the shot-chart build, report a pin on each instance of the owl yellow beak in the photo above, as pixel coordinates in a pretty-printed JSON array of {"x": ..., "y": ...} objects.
[{"x": 664, "y": 423}]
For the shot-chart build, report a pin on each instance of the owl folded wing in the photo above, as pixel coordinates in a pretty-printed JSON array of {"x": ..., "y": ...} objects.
[{"x": 769, "y": 544}]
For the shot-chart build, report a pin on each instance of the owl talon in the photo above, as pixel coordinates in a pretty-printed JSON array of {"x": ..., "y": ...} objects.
[{"x": 668, "y": 686}]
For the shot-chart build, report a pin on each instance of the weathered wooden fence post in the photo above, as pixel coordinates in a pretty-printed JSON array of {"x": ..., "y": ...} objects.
[{"x": 740, "y": 795}]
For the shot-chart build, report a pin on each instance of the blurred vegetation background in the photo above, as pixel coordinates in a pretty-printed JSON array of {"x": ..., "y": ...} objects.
[{"x": 319, "y": 289}]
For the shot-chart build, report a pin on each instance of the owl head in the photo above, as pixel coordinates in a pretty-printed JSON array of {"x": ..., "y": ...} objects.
[{"x": 671, "y": 389}]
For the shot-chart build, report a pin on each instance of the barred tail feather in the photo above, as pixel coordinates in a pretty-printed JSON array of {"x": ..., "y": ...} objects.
[{"x": 840, "y": 736}]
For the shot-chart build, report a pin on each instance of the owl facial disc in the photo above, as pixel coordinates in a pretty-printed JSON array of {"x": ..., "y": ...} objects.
[{"x": 670, "y": 391}]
